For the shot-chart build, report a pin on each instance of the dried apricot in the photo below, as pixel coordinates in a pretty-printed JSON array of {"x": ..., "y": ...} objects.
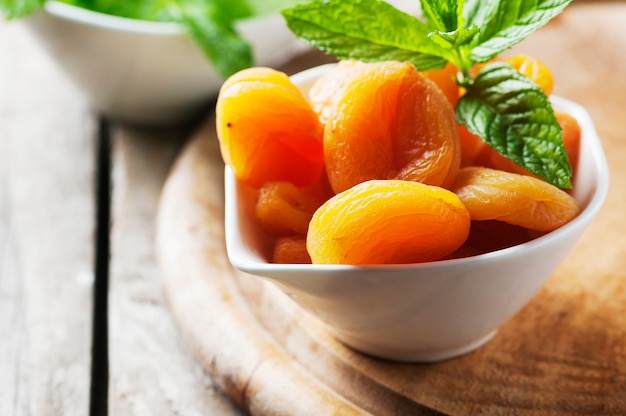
[
  {"x": 391, "y": 123},
  {"x": 291, "y": 250},
  {"x": 571, "y": 137},
  {"x": 472, "y": 147},
  {"x": 386, "y": 222},
  {"x": 532, "y": 203},
  {"x": 533, "y": 69},
  {"x": 259, "y": 74},
  {"x": 283, "y": 209},
  {"x": 329, "y": 88},
  {"x": 267, "y": 130},
  {"x": 445, "y": 79}
]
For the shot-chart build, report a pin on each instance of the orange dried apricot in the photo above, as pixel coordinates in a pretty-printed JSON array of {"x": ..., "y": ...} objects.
[
  {"x": 472, "y": 147},
  {"x": 267, "y": 130},
  {"x": 571, "y": 137},
  {"x": 329, "y": 88},
  {"x": 445, "y": 79},
  {"x": 291, "y": 250},
  {"x": 391, "y": 123},
  {"x": 533, "y": 69},
  {"x": 259, "y": 74},
  {"x": 387, "y": 222},
  {"x": 532, "y": 203},
  {"x": 283, "y": 209}
]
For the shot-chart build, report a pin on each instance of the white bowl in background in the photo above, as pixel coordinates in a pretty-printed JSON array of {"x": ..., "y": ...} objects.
[
  {"x": 146, "y": 72},
  {"x": 420, "y": 312}
]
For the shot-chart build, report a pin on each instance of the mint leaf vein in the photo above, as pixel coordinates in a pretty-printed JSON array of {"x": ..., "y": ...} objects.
[
  {"x": 359, "y": 29},
  {"x": 513, "y": 115}
]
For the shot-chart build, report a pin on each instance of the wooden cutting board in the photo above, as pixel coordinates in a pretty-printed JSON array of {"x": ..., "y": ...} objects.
[{"x": 564, "y": 353}]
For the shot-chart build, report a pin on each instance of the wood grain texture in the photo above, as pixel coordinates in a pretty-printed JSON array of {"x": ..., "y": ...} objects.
[
  {"x": 47, "y": 224},
  {"x": 563, "y": 354},
  {"x": 150, "y": 369},
  {"x": 202, "y": 294}
]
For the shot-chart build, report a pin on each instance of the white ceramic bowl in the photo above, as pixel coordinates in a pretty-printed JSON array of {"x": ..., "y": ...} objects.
[
  {"x": 147, "y": 72},
  {"x": 421, "y": 312}
]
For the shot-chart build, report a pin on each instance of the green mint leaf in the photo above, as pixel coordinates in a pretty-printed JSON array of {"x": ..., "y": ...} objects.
[
  {"x": 169, "y": 10},
  {"x": 221, "y": 44},
  {"x": 211, "y": 25},
  {"x": 225, "y": 11},
  {"x": 270, "y": 6},
  {"x": 367, "y": 30},
  {"x": 153, "y": 10},
  {"x": 16, "y": 9},
  {"x": 442, "y": 15},
  {"x": 513, "y": 115},
  {"x": 506, "y": 23},
  {"x": 214, "y": 33},
  {"x": 456, "y": 39}
]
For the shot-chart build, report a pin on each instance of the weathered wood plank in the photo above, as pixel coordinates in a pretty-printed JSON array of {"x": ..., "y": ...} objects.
[
  {"x": 46, "y": 234},
  {"x": 151, "y": 370}
]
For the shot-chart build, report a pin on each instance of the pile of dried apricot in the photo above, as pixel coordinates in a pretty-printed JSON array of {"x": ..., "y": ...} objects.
[{"x": 371, "y": 166}]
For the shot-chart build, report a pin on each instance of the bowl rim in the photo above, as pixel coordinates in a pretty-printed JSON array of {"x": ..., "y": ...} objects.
[
  {"x": 107, "y": 21},
  {"x": 93, "y": 18},
  {"x": 595, "y": 201}
]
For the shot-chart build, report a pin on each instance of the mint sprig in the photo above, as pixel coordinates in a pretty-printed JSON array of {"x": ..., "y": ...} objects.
[
  {"x": 505, "y": 23},
  {"x": 360, "y": 29},
  {"x": 508, "y": 111},
  {"x": 514, "y": 116},
  {"x": 212, "y": 27}
]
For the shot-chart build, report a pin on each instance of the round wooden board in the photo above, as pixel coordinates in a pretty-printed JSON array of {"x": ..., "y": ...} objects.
[{"x": 564, "y": 353}]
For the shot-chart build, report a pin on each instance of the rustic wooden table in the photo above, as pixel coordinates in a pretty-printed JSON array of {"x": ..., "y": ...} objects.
[
  {"x": 69, "y": 346},
  {"x": 85, "y": 327}
]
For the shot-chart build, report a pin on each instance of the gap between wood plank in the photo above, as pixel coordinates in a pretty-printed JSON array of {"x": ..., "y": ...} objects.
[{"x": 98, "y": 403}]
